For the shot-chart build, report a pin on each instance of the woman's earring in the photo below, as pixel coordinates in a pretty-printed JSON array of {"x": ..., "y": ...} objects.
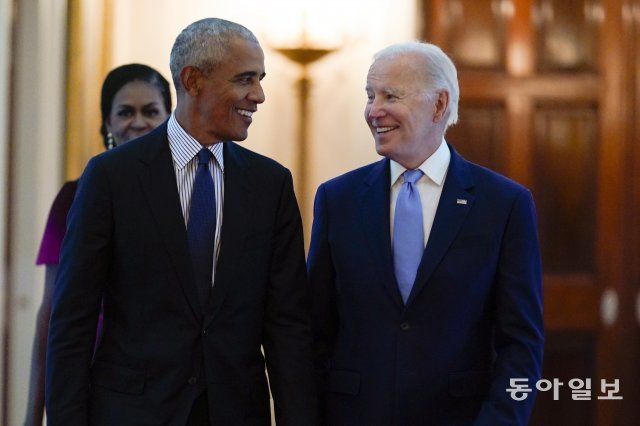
[{"x": 111, "y": 143}]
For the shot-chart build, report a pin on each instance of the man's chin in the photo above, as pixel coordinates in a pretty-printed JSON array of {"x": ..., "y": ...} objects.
[
  {"x": 382, "y": 149},
  {"x": 238, "y": 137}
]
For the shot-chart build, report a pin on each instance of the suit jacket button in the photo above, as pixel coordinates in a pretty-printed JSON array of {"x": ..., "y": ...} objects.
[
  {"x": 405, "y": 326},
  {"x": 192, "y": 380},
  {"x": 205, "y": 332}
]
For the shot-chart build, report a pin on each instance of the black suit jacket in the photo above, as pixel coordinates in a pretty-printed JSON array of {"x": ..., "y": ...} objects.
[{"x": 126, "y": 245}]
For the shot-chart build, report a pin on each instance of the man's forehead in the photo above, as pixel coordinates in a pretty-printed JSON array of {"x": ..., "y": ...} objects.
[
  {"x": 396, "y": 71},
  {"x": 390, "y": 66},
  {"x": 395, "y": 78}
]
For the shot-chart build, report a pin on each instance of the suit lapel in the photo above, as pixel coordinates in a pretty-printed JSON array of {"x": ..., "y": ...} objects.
[
  {"x": 374, "y": 205},
  {"x": 158, "y": 181},
  {"x": 454, "y": 205},
  {"x": 235, "y": 225}
]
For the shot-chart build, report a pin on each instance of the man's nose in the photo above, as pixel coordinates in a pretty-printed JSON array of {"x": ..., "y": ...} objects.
[
  {"x": 375, "y": 109},
  {"x": 257, "y": 94}
]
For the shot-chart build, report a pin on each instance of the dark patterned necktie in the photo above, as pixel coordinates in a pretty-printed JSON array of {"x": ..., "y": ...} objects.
[{"x": 201, "y": 229}]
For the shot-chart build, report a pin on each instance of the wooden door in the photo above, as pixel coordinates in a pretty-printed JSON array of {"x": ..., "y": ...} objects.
[{"x": 550, "y": 97}]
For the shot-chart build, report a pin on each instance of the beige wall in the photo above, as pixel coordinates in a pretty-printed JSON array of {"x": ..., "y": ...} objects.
[
  {"x": 143, "y": 31},
  {"x": 36, "y": 114},
  {"x": 5, "y": 58},
  {"x": 338, "y": 137}
]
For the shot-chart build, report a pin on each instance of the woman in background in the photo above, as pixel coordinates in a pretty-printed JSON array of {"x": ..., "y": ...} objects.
[{"x": 135, "y": 99}]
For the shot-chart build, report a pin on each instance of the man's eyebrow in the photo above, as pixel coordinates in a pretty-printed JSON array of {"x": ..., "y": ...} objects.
[
  {"x": 386, "y": 90},
  {"x": 392, "y": 91},
  {"x": 249, "y": 74}
]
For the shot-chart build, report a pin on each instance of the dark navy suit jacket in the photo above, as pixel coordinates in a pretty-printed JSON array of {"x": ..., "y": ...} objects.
[
  {"x": 472, "y": 321},
  {"x": 127, "y": 245}
]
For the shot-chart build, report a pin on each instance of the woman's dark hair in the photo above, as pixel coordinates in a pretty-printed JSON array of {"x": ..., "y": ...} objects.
[{"x": 120, "y": 76}]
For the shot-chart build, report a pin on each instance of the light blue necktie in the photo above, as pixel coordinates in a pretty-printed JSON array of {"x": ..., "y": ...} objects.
[
  {"x": 408, "y": 233},
  {"x": 201, "y": 229}
]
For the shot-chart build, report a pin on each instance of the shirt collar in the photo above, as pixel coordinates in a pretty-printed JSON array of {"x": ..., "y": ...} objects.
[
  {"x": 435, "y": 167},
  {"x": 185, "y": 147}
]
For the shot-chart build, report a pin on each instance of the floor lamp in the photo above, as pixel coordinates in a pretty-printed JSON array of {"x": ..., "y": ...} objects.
[{"x": 303, "y": 56}]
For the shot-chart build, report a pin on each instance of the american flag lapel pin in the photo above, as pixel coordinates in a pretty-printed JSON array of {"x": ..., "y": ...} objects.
[{"x": 461, "y": 201}]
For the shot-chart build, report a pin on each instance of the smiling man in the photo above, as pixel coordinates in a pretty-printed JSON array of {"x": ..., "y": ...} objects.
[
  {"x": 424, "y": 268},
  {"x": 194, "y": 245}
]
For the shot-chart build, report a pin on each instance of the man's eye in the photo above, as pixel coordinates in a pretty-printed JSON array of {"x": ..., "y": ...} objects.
[
  {"x": 245, "y": 80},
  {"x": 151, "y": 112}
]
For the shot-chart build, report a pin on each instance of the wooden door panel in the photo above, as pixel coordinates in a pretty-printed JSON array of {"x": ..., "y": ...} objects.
[
  {"x": 480, "y": 135},
  {"x": 565, "y": 185},
  {"x": 550, "y": 96},
  {"x": 567, "y": 34}
]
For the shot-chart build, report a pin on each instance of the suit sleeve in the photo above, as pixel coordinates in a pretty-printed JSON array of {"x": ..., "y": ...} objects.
[
  {"x": 519, "y": 335},
  {"x": 82, "y": 275},
  {"x": 287, "y": 330},
  {"x": 322, "y": 279}
]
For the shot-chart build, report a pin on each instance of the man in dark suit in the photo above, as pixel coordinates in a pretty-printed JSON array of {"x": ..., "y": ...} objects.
[
  {"x": 180, "y": 346},
  {"x": 424, "y": 267}
]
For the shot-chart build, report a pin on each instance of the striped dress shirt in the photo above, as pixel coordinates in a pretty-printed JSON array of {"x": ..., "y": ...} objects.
[{"x": 184, "y": 150}]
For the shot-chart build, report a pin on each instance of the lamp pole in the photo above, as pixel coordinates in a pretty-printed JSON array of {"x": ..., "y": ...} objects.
[{"x": 303, "y": 56}]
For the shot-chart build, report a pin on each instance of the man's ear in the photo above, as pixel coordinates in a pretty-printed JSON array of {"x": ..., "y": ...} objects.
[
  {"x": 190, "y": 78},
  {"x": 442, "y": 104}
]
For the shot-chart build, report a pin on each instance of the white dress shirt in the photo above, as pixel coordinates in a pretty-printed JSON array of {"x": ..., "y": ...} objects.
[
  {"x": 429, "y": 186},
  {"x": 184, "y": 150}
]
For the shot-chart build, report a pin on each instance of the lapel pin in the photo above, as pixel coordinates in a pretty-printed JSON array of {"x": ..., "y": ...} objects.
[{"x": 461, "y": 201}]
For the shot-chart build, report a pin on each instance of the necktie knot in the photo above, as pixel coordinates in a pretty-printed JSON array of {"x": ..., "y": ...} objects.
[
  {"x": 204, "y": 155},
  {"x": 412, "y": 176}
]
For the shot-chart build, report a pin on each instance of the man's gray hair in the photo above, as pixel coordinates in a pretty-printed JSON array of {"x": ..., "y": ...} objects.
[
  {"x": 437, "y": 69},
  {"x": 204, "y": 44}
]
